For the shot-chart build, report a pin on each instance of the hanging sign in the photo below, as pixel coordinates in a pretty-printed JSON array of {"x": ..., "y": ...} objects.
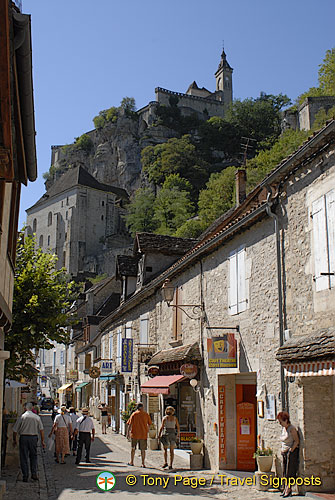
[
  {"x": 189, "y": 370},
  {"x": 222, "y": 427},
  {"x": 222, "y": 351},
  {"x": 127, "y": 355},
  {"x": 153, "y": 406},
  {"x": 106, "y": 367},
  {"x": 94, "y": 372}
]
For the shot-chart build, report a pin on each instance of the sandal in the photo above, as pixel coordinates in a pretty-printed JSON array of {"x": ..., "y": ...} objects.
[{"x": 164, "y": 466}]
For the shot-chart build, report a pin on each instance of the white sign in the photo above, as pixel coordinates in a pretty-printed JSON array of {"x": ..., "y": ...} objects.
[
  {"x": 106, "y": 367},
  {"x": 270, "y": 407}
]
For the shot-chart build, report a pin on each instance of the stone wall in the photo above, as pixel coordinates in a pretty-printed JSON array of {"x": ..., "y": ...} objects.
[{"x": 195, "y": 103}]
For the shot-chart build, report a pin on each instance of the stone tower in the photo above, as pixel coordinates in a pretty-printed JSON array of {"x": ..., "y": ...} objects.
[{"x": 224, "y": 80}]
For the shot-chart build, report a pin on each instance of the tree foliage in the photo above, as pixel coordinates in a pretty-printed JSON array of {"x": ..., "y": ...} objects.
[
  {"x": 42, "y": 296},
  {"x": 326, "y": 79},
  {"x": 218, "y": 196},
  {"x": 140, "y": 212}
]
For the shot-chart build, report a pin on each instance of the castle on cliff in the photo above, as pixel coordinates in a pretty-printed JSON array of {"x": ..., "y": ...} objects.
[{"x": 81, "y": 215}]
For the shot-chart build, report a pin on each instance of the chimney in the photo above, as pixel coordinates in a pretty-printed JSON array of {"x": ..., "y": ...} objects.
[{"x": 240, "y": 185}]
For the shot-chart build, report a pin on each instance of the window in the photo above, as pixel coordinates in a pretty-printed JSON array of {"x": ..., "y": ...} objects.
[
  {"x": 144, "y": 328},
  {"x": 41, "y": 240},
  {"x": 102, "y": 217},
  {"x": 48, "y": 241},
  {"x": 128, "y": 330},
  {"x": 49, "y": 218},
  {"x": 87, "y": 361},
  {"x": 103, "y": 203},
  {"x": 62, "y": 357},
  {"x": 237, "y": 284},
  {"x": 176, "y": 319},
  {"x": 119, "y": 347},
  {"x": 34, "y": 225},
  {"x": 110, "y": 346},
  {"x": 323, "y": 215},
  {"x": 66, "y": 215}
]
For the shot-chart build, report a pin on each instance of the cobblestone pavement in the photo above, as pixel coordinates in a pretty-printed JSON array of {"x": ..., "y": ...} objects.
[{"x": 111, "y": 452}]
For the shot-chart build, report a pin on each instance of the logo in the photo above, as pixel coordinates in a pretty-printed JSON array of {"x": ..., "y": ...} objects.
[
  {"x": 106, "y": 481},
  {"x": 94, "y": 372},
  {"x": 189, "y": 370}
]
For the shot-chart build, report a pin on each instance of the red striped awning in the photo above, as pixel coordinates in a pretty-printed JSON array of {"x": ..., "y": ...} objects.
[
  {"x": 309, "y": 368},
  {"x": 160, "y": 384}
]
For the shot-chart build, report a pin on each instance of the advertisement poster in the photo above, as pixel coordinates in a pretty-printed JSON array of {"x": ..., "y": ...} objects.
[
  {"x": 245, "y": 423},
  {"x": 222, "y": 426},
  {"x": 222, "y": 351},
  {"x": 127, "y": 355}
]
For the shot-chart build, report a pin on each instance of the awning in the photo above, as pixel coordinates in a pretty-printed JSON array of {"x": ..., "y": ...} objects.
[
  {"x": 108, "y": 376},
  {"x": 160, "y": 384},
  {"x": 83, "y": 384},
  {"x": 13, "y": 384},
  {"x": 186, "y": 353},
  {"x": 309, "y": 369},
  {"x": 64, "y": 387}
]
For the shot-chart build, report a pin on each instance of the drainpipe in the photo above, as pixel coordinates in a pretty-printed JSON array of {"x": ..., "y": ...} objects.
[{"x": 280, "y": 290}]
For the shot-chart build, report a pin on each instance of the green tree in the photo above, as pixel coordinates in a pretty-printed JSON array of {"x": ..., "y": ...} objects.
[
  {"x": 327, "y": 73},
  {"x": 218, "y": 196},
  {"x": 259, "y": 119},
  {"x": 84, "y": 142},
  {"x": 176, "y": 156},
  {"x": 192, "y": 228},
  {"x": 216, "y": 134},
  {"x": 129, "y": 106},
  {"x": 140, "y": 212},
  {"x": 41, "y": 299},
  {"x": 173, "y": 205}
]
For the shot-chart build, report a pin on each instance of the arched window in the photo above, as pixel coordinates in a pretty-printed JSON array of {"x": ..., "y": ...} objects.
[
  {"x": 41, "y": 240},
  {"x": 34, "y": 225},
  {"x": 48, "y": 241},
  {"x": 49, "y": 218}
]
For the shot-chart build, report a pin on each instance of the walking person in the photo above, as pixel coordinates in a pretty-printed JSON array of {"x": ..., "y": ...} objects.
[
  {"x": 84, "y": 426},
  {"x": 74, "y": 440},
  {"x": 29, "y": 426},
  {"x": 62, "y": 427},
  {"x": 104, "y": 417},
  {"x": 138, "y": 428},
  {"x": 289, "y": 450},
  {"x": 169, "y": 425}
]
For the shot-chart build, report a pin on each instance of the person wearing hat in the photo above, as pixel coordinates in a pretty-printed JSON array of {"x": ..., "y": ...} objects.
[
  {"x": 62, "y": 428},
  {"x": 84, "y": 427},
  {"x": 74, "y": 418}
]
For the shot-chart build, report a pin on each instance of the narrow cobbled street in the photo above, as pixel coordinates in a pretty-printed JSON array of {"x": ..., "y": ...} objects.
[{"x": 111, "y": 453}]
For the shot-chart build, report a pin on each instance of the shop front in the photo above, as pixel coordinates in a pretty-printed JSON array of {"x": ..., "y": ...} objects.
[
  {"x": 84, "y": 392},
  {"x": 109, "y": 396},
  {"x": 66, "y": 395}
]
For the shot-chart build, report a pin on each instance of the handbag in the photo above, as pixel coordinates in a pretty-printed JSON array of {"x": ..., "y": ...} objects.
[{"x": 51, "y": 442}]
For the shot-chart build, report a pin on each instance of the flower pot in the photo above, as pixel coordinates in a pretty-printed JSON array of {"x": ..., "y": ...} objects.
[
  {"x": 152, "y": 433},
  {"x": 196, "y": 448},
  {"x": 264, "y": 463}
]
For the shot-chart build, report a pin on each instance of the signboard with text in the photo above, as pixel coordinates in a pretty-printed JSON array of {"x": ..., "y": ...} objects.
[
  {"x": 127, "y": 355},
  {"x": 106, "y": 366},
  {"x": 222, "y": 351},
  {"x": 245, "y": 436},
  {"x": 222, "y": 426}
]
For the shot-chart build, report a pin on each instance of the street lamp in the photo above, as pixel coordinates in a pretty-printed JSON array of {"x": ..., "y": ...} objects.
[
  {"x": 194, "y": 384},
  {"x": 168, "y": 294}
]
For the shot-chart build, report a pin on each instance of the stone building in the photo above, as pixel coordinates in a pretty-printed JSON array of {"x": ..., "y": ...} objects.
[
  {"x": 17, "y": 151},
  {"x": 195, "y": 100},
  {"x": 251, "y": 320},
  {"x": 303, "y": 118},
  {"x": 80, "y": 220}
]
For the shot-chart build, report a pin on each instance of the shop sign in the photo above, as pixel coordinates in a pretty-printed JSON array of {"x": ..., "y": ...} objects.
[
  {"x": 186, "y": 437},
  {"x": 44, "y": 378},
  {"x": 153, "y": 405},
  {"x": 106, "y": 366},
  {"x": 270, "y": 407},
  {"x": 94, "y": 372},
  {"x": 189, "y": 370},
  {"x": 72, "y": 374},
  {"x": 127, "y": 355},
  {"x": 153, "y": 371},
  {"x": 222, "y": 351},
  {"x": 222, "y": 426}
]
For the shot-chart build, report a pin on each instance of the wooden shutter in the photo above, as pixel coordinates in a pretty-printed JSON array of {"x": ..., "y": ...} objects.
[
  {"x": 144, "y": 323},
  {"x": 241, "y": 283},
  {"x": 176, "y": 322},
  {"x": 128, "y": 330},
  {"x": 330, "y": 210},
  {"x": 233, "y": 299},
  {"x": 320, "y": 244}
]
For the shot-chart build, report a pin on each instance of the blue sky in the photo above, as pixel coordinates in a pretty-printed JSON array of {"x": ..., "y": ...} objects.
[{"x": 89, "y": 54}]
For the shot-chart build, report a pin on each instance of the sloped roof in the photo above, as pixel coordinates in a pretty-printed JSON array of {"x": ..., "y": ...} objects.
[
  {"x": 148, "y": 242},
  {"x": 320, "y": 345},
  {"x": 189, "y": 352},
  {"x": 111, "y": 303},
  {"x": 78, "y": 176},
  {"x": 126, "y": 265}
]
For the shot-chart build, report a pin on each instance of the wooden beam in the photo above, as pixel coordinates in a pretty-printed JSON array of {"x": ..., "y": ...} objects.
[{"x": 6, "y": 170}]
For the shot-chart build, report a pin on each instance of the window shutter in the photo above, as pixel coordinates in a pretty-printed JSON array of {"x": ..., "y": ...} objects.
[
  {"x": 233, "y": 284},
  {"x": 128, "y": 330},
  {"x": 320, "y": 244},
  {"x": 241, "y": 284},
  {"x": 144, "y": 323},
  {"x": 330, "y": 208},
  {"x": 119, "y": 344},
  {"x": 110, "y": 346}
]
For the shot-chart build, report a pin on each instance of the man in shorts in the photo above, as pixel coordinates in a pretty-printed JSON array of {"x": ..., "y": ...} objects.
[{"x": 138, "y": 428}]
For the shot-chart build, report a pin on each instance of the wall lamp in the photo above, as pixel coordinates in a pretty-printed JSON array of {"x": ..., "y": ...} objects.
[
  {"x": 168, "y": 294},
  {"x": 194, "y": 384}
]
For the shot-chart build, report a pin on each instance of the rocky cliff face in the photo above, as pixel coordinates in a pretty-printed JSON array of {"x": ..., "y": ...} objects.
[{"x": 115, "y": 154}]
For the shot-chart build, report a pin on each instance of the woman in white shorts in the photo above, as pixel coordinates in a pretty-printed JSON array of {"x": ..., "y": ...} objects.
[
  {"x": 169, "y": 425},
  {"x": 104, "y": 417}
]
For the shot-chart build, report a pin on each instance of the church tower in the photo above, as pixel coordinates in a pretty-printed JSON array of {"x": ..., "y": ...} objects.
[{"x": 224, "y": 80}]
